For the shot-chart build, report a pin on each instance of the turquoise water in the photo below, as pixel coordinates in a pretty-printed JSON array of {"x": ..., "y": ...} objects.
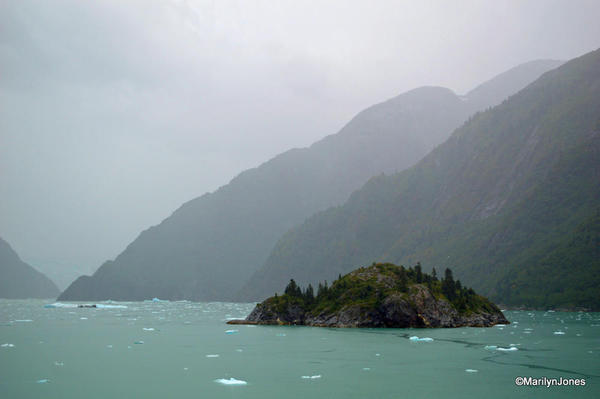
[{"x": 92, "y": 353}]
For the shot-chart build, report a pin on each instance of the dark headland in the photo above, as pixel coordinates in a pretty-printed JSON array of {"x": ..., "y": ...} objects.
[{"x": 381, "y": 295}]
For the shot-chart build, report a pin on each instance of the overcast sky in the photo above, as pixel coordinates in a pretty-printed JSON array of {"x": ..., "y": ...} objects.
[{"x": 114, "y": 113}]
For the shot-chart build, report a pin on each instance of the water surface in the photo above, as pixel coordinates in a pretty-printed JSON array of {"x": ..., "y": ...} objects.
[{"x": 181, "y": 350}]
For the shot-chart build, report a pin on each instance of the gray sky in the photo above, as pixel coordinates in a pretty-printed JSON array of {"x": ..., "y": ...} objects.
[{"x": 114, "y": 113}]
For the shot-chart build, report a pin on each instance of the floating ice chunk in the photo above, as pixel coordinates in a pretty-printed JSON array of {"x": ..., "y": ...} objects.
[
  {"x": 60, "y": 364},
  {"x": 511, "y": 349},
  {"x": 43, "y": 381},
  {"x": 491, "y": 347},
  {"x": 529, "y": 329},
  {"x": 148, "y": 329},
  {"x": 156, "y": 299},
  {"x": 471, "y": 371},
  {"x": 378, "y": 354},
  {"x": 139, "y": 342},
  {"x": 23, "y": 321},
  {"x": 231, "y": 331},
  {"x": 239, "y": 350},
  {"x": 7, "y": 345},
  {"x": 500, "y": 325},
  {"x": 83, "y": 318},
  {"x": 366, "y": 368},
  {"x": 559, "y": 333},
  {"x": 60, "y": 305},
  {"x": 103, "y": 306},
  {"x": 414, "y": 338},
  {"x": 281, "y": 335},
  {"x": 311, "y": 377},
  {"x": 231, "y": 381},
  {"x": 212, "y": 355},
  {"x": 109, "y": 346}
]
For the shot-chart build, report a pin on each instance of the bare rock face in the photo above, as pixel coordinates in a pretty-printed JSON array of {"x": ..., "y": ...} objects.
[{"x": 380, "y": 304}]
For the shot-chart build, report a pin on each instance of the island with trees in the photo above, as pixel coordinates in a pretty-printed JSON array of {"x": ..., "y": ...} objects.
[{"x": 381, "y": 295}]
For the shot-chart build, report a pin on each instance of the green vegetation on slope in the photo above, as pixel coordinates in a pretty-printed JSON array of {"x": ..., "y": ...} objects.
[
  {"x": 503, "y": 202},
  {"x": 367, "y": 287}
]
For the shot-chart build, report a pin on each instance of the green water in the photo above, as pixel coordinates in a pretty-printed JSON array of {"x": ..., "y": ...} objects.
[{"x": 91, "y": 353}]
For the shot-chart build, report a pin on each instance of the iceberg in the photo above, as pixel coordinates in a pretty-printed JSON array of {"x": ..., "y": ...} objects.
[
  {"x": 414, "y": 338},
  {"x": 148, "y": 329},
  {"x": 231, "y": 381},
  {"x": 7, "y": 345},
  {"x": 471, "y": 371},
  {"x": 511, "y": 349},
  {"x": 212, "y": 355},
  {"x": 43, "y": 381},
  {"x": 491, "y": 347},
  {"x": 559, "y": 333},
  {"x": 311, "y": 377},
  {"x": 231, "y": 331},
  {"x": 139, "y": 342}
]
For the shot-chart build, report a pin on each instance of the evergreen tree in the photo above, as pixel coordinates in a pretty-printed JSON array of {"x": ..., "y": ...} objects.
[
  {"x": 448, "y": 288},
  {"x": 419, "y": 273},
  {"x": 292, "y": 289}
]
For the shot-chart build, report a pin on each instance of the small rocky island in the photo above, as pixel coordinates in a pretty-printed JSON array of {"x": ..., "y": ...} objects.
[{"x": 381, "y": 295}]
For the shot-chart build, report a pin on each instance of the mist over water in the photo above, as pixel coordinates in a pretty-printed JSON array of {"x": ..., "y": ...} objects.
[{"x": 184, "y": 350}]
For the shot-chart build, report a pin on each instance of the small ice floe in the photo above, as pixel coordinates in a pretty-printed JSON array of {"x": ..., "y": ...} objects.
[
  {"x": 7, "y": 345},
  {"x": 311, "y": 377},
  {"x": 43, "y": 381},
  {"x": 103, "y": 306},
  {"x": 109, "y": 346},
  {"x": 60, "y": 305},
  {"x": 231, "y": 331},
  {"x": 239, "y": 350},
  {"x": 414, "y": 338},
  {"x": 500, "y": 325},
  {"x": 378, "y": 354},
  {"x": 366, "y": 368},
  {"x": 230, "y": 381},
  {"x": 559, "y": 333},
  {"x": 511, "y": 349},
  {"x": 471, "y": 371},
  {"x": 59, "y": 364},
  {"x": 148, "y": 328},
  {"x": 491, "y": 347},
  {"x": 139, "y": 342},
  {"x": 23, "y": 321},
  {"x": 212, "y": 355},
  {"x": 83, "y": 318},
  {"x": 186, "y": 369},
  {"x": 281, "y": 335}
]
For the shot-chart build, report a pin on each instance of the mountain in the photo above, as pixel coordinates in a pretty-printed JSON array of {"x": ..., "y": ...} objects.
[
  {"x": 210, "y": 246},
  {"x": 381, "y": 295},
  {"x": 510, "y": 201},
  {"x": 18, "y": 280}
]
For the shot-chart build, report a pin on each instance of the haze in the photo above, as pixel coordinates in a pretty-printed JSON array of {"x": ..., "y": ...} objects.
[{"x": 113, "y": 114}]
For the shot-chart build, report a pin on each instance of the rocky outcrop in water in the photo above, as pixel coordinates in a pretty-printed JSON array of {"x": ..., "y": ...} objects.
[{"x": 382, "y": 295}]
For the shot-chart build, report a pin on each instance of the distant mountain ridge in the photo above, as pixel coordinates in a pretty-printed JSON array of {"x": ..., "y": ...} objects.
[
  {"x": 511, "y": 202},
  {"x": 211, "y": 245},
  {"x": 18, "y": 280}
]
